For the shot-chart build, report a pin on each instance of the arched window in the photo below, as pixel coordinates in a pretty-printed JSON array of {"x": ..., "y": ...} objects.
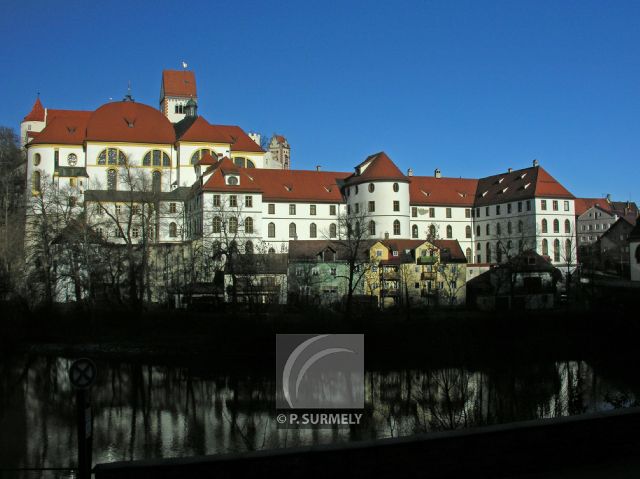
[
  {"x": 468, "y": 255},
  {"x": 332, "y": 230},
  {"x": 509, "y": 245},
  {"x": 35, "y": 181},
  {"x": 488, "y": 229},
  {"x": 467, "y": 231},
  {"x": 488, "y": 252},
  {"x": 520, "y": 226},
  {"x": 112, "y": 156},
  {"x": 156, "y": 181},
  {"x": 271, "y": 230},
  {"x": 556, "y": 226},
  {"x": 173, "y": 230},
  {"x": 272, "y": 250},
  {"x": 568, "y": 254},
  {"x": 498, "y": 253},
  {"x": 545, "y": 247},
  {"x": 449, "y": 232},
  {"x": 414, "y": 231},
  {"x": 372, "y": 228},
  {"x": 233, "y": 225},
  {"x": 156, "y": 158},
  {"x": 372, "y": 187},
  {"x": 217, "y": 224},
  {"x": 248, "y": 247},
  {"x": 396, "y": 187},
  {"x": 544, "y": 226},
  {"x": 36, "y": 159},
  {"x": 432, "y": 231},
  {"x": 197, "y": 156},
  {"x": 498, "y": 229},
  {"x": 556, "y": 250},
  {"x": 396, "y": 227},
  {"x": 112, "y": 180},
  {"x": 243, "y": 162},
  {"x": 292, "y": 230},
  {"x": 478, "y": 230},
  {"x": 509, "y": 228},
  {"x": 567, "y": 226},
  {"x": 313, "y": 230},
  {"x": 248, "y": 225}
]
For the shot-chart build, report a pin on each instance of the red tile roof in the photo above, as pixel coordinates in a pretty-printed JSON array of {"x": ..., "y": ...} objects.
[
  {"x": 378, "y": 167},
  {"x": 179, "y": 83},
  {"x": 283, "y": 185},
  {"x": 428, "y": 190},
  {"x": 207, "y": 159},
  {"x": 202, "y": 131},
  {"x": 129, "y": 121},
  {"x": 583, "y": 204},
  {"x": 36, "y": 113},
  {"x": 62, "y": 130},
  {"x": 281, "y": 139},
  {"x": 79, "y": 114}
]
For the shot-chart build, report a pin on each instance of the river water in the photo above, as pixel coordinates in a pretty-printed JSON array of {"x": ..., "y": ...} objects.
[{"x": 150, "y": 411}]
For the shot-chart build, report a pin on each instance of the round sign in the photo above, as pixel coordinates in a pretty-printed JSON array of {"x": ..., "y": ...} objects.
[{"x": 82, "y": 373}]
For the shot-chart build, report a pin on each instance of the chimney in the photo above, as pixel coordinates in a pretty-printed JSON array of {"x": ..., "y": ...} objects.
[
  {"x": 536, "y": 163},
  {"x": 510, "y": 170},
  {"x": 318, "y": 167},
  {"x": 437, "y": 173},
  {"x": 410, "y": 172}
]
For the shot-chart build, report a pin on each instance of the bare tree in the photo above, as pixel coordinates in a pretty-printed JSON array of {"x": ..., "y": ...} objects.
[{"x": 453, "y": 281}]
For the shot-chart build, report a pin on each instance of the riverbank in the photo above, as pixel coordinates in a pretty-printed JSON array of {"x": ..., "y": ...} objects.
[{"x": 441, "y": 337}]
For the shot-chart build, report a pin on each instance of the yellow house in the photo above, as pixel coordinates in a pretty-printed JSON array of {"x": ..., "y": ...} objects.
[{"x": 416, "y": 272}]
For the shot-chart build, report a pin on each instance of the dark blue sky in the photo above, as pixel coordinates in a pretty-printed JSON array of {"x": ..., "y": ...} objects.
[{"x": 470, "y": 87}]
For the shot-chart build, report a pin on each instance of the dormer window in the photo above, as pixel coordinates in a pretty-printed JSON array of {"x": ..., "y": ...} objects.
[
  {"x": 233, "y": 180},
  {"x": 395, "y": 253}
]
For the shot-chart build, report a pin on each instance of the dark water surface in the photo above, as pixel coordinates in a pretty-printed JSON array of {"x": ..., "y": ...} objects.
[{"x": 150, "y": 411}]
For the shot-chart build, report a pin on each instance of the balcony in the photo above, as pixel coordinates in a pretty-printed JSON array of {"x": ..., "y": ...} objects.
[{"x": 427, "y": 259}]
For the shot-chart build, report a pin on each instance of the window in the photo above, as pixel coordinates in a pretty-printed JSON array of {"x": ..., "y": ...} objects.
[
  {"x": 272, "y": 209},
  {"x": 112, "y": 156},
  {"x": 35, "y": 181},
  {"x": 414, "y": 231},
  {"x": 432, "y": 231},
  {"x": 216, "y": 200},
  {"x": 112, "y": 180},
  {"x": 179, "y": 109},
  {"x": 488, "y": 228},
  {"x": 544, "y": 226},
  {"x": 357, "y": 205},
  {"x": 498, "y": 229},
  {"x": 508, "y": 208},
  {"x": 217, "y": 224},
  {"x": 396, "y": 206},
  {"x": 156, "y": 158},
  {"x": 372, "y": 206},
  {"x": 567, "y": 226},
  {"x": 519, "y": 206},
  {"x": 332, "y": 210},
  {"x": 372, "y": 187},
  {"x": 72, "y": 159},
  {"x": 509, "y": 228},
  {"x": 528, "y": 205},
  {"x": 432, "y": 212},
  {"x": 334, "y": 271},
  {"x": 357, "y": 189},
  {"x": 396, "y": 227},
  {"x": 313, "y": 230},
  {"x": 449, "y": 232},
  {"x": 396, "y": 187},
  {"x": 232, "y": 180},
  {"x": 243, "y": 162},
  {"x": 36, "y": 159},
  {"x": 172, "y": 208},
  {"x": 292, "y": 230},
  {"x": 486, "y": 211},
  {"x": 478, "y": 230},
  {"x": 118, "y": 209},
  {"x": 555, "y": 205},
  {"x": 543, "y": 205},
  {"x": 248, "y": 225},
  {"x": 468, "y": 255},
  {"x": 566, "y": 206},
  {"x": 332, "y": 230},
  {"x": 467, "y": 231},
  {"x": 567, "y": 250},
  {"x": 545, "y": 247},
  {"x": 156, "y": 181},
  {"x": 72, "y": 201},
  {"x": 135, "y": 232},
  {"x": 248, "y": 247},
  {"x": 520, "y": 226},
  {"x": 248, "y": 201},
  {"x": 467, "y": 213},
  {"x": 271, "y": 230},
  {"x": 292, "y": 209},
  {"x": 173, "y": 230},
  {"x": 556, "y": 250},
  {"x": 372, "y": 228},
  {"x": 497, "y": 209},
  {"x": 556, "y": 226},
  {"x": 197, "y": 156},
  {"x": 488, "y": 252},
  {"x": 312, "y": 210},
  {"x": 448, "y": 212},
  {"x": 233, "y": 225},
  {"x": 233, "y": 201}
]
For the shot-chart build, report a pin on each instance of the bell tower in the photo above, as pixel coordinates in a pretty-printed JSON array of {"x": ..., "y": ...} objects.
[{"x": 177, "y": 90}]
